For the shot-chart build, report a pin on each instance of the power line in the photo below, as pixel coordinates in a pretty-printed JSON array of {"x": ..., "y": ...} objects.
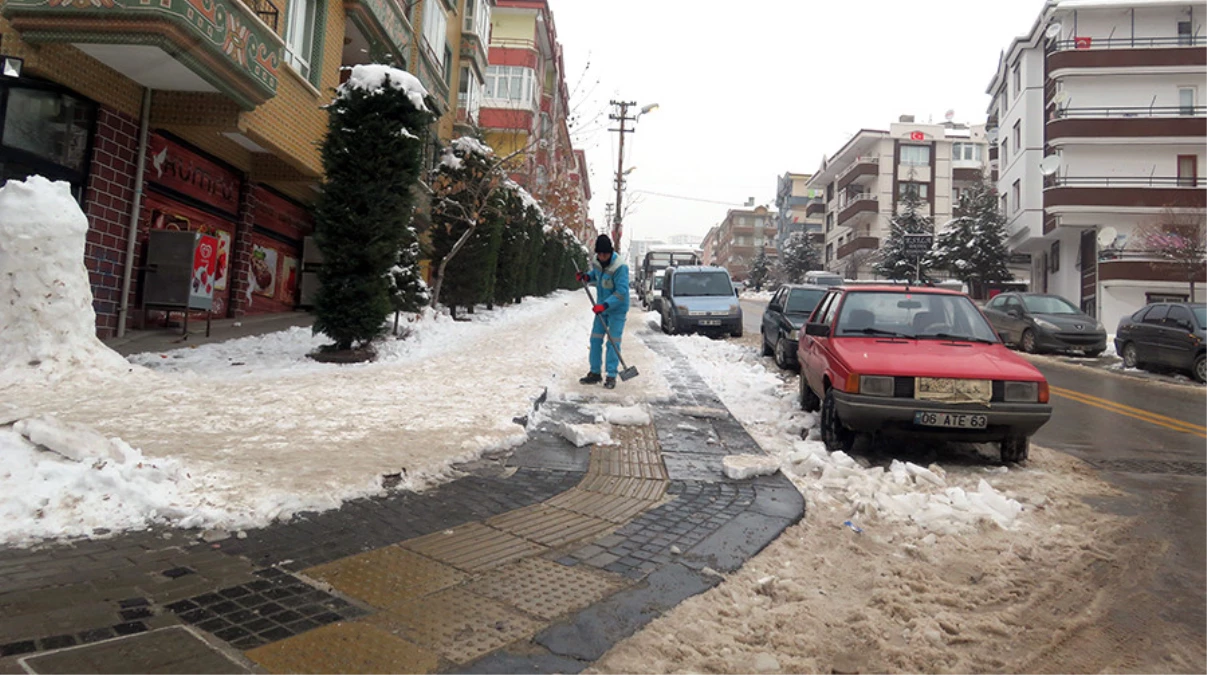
[{"x": 690, "y": 199}]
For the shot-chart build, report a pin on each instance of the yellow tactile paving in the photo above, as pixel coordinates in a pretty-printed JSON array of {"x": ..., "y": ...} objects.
[
  {"x": 637, "y": 488},
  {"x": 388, "y": 576},
  {"x": 354, "y": 647},
  {"x": 473, "y": 547},
  {"x": 545, "y": 588},
  {"x": 616, "y": 509},
  {"x": 551, "y": 526},
  {"x": 459, "y": 625}
]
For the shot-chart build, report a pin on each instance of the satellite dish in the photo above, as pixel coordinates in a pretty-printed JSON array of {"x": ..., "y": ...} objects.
[
  {"x": 1049, "y": 165},
  {"x": 1053, "y": 31},
  {"x": 949, "y": 115},
  {"x": 1107, "y": 236},
  {"x": 1061, "y": 97},
  {"x": 991, "y": 135}
]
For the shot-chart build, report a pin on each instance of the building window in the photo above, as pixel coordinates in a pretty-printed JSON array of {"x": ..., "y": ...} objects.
[
  {"x": 299, "y": 36},
  {"x": 965, "y": 152},
  {"x": 955, "y": 196},
  {"x": 915, "y": 155},
  {"x": 1018, "y": 135},
  {"x": 829, "y": 252},
  {"x": 1186, "y": 96},
  {"x": 477, "y": 19},
  {"x": 45, "y": 132},
  {"x": 1185, "y": 35},
  {"x": 1003, "y": 151},
  {"x": 829, "y": 221},
  {"x": 917, "y": 190},
  {"x": 1188, "y": 170},
  {"x": 741, "y": 220},
  {"x": 1054, "y": 257},
  {"x": 1005, "y": 204},
  {"x": 435, "y": 30},
  {"x": 1017, "y": 79},
  {"x": 1150, "y": 298},
  {"x": 511, "y": 83},
  {"x": 1016, "y": 195}
]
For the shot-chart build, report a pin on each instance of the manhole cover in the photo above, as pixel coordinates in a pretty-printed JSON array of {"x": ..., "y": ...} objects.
[
  {"x": 387, "y": 576},
  {"x": 1150, "y": 466},
  {"x": 545, "y": 588},
  {"x": 344, "y": 648},
  {"x": 175, "y": 649}
]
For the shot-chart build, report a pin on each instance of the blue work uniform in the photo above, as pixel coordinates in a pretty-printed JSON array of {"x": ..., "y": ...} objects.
[{"x": 611, "y": 291}]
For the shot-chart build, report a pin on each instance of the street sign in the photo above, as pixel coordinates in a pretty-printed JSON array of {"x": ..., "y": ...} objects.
[{"x": 918, "y": 243}]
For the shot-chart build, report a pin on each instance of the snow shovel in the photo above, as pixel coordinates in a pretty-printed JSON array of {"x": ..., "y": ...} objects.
[{"x": 628, "y": 373}]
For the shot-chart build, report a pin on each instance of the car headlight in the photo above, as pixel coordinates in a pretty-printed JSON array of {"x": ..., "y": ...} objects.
[
  {"x": 876, "y": 385},
  {"x": 1098, "y": 326},
  {"x": 794, "y": 335},
  {"x": 1043, "y": 323},
  {"x": 1021, "y": 392}
]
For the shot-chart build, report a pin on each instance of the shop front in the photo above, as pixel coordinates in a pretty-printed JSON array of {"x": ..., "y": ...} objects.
[{"x": 280, "y": 227}]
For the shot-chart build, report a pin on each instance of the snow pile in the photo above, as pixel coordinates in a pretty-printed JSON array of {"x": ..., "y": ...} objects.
[
  {"x": 586, "y": 434},
  {"x": 633, "y": 415},
  {"x": 741, "y": 467},
  {"x": 47, "y": 324},
  {"x": 253, "y": 354},
  {"x": 373, "y": 78}
]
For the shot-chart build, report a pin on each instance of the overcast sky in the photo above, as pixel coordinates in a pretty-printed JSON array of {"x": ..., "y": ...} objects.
[{"x": 750, "y": 90}]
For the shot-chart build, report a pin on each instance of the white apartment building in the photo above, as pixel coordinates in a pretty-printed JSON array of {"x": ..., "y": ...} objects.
[
  {"x": 1100, "y": 124},
  {"x": 863, "y": 182}
]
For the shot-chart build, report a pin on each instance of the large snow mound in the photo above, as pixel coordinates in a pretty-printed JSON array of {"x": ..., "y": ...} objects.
[
  {"x": 47, "y": 324},
  {"x": 374, "y": 77}
]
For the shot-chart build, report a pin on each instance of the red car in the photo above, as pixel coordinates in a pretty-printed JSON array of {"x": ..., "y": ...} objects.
[{"x": 920, "y": 362}]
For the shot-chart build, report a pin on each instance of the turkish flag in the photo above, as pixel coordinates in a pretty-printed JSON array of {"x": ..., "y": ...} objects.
[
  {"x": 917, "y": 136},
  {"x": 1083, "y": 42}
]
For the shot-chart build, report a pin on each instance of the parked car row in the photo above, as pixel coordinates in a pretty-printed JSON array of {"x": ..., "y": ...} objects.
[{"x": 1165, "y": 334}]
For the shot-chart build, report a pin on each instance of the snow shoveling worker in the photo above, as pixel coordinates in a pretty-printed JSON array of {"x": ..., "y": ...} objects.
[{"x": 611, "y": 277}]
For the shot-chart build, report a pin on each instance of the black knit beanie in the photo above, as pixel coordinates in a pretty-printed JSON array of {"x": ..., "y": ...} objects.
[{"x": 603, "y": 244}]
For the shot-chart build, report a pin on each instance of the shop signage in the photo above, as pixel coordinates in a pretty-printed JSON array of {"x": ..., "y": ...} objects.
[{"x": 173, "y": 166}]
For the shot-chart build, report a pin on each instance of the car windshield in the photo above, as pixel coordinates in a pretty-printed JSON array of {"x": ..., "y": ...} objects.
[
  {"x": 688, "y": 284},
  {"x": 913, "y": 315},
  {"x": 1049, "y": 304},
  {"x": 658, "y": 283},
  {"x": 1200, "y": 314},
  {"x": 803, "y": 300}
]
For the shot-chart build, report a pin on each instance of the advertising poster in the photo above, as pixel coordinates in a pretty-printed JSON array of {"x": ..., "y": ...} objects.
[
  {"x": 263, "y": 271},
  {"x": 205, "y": 258},
  {"x": 222, "y": 266},
  {"x": 289, "y": 273}
]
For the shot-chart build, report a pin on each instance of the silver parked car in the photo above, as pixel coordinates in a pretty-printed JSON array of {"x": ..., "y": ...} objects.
[{"x": 1036, "y": 322}]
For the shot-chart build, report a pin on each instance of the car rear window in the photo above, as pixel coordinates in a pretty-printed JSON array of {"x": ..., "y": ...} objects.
[
  {"x": 803, "y": 300},
  {"x": 688, "y": 284}
]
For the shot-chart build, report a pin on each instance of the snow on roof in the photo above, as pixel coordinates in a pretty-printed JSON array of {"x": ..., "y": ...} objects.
[
  {"x": 471, "y": 144},
  {"x": 373, "y": 78}
]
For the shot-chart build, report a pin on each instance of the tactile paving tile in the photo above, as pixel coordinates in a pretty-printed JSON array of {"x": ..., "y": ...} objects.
[
  {"x": 545, "y": 588},
  {"x": 354, "y": 647},
  {"x": 613, "y": 508},
  {"x": 460, "y": 625},
  {"x": 387, "y": 576},
  {"x": 636, "y": 455},
  {"x": 473, "y": 547},
  {"x": 551, "y": 526},
  {"x": 637, "y": 488}
]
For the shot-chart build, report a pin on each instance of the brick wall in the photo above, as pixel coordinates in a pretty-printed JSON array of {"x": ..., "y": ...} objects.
[
  {"x": 107, "y": 202},
  {"x": 242, "y": 249}
]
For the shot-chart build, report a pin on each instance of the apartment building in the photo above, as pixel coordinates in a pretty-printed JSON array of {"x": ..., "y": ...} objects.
[
  {"x": 1100, "y": 126},
  {"x": 863, "y": 183},
  {"x": 525, "y": 110},
  {"x": 229, "y": 96},
  {"x": 798, "y": 209},
  {"x": 738, "y": 239}
]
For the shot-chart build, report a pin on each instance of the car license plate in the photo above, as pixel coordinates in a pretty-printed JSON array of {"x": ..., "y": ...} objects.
[
  {"x": 951, "y": 420},
  {"x": 710, "y": 322}
]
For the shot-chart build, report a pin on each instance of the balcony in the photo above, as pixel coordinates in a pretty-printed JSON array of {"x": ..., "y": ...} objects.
[
  {"x": 1129, "y": 122},
  {"x": 851, "y": 206},
  {"x": 966, "y": 174},
  {"x": 189, "y": 45},
  {"x": 815, "y": 208},
  {"x": 1091, "y": 52},
  {"x": 858, "y": 244},
  {"x": 862, "y": 167},
  {"x": 474, "y": 49},
  {"x": 385, "y": 20},
  {"x": 1152, "y": 192},
  {"x": 1144, "y": 266}
]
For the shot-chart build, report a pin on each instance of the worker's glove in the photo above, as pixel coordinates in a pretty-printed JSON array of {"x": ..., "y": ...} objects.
[
  {"x": 599, "y": 309},
  {"x": 580, "y": 277}
]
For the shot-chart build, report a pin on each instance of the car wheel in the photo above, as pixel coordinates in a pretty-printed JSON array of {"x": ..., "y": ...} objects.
[
  {"x": 1131, "y": 358},
  {"x": 667, "y": 326},
  {"x": 1200, "y": 368},
  {"x": 833, "y": 434},
  {"x": 1027, "y": 342},
  {"x": 767, "y": 350},
  {"x": 808, "y": 400},
  {"x": 781, "y": 355},
  {"x": 1015, "y": 449},
  {"x": 737, "y": 333}
]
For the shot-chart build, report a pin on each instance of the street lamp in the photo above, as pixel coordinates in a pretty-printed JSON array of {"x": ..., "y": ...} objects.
[
  {"x": 623, "y": 117},
  {"x": 645, "y": 109}
]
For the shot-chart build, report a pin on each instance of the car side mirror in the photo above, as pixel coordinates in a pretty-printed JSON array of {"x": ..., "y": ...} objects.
[{"x": 817, "y": 329}]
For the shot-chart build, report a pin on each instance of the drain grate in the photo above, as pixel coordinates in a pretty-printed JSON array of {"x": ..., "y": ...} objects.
[
  {"x": 1150, "y": 466},
  {"x": 173, "y": 649},
  {"x": 386, "y": 576},
  {"x": 345, "y": 648},
  {"x": 546, "y": 589}
]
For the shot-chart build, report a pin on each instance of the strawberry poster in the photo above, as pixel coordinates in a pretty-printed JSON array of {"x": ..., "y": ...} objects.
[{"x": 263, "y": 271}]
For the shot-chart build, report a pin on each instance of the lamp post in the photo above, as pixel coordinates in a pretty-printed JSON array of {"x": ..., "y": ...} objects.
[{"x": 623, "y": 117}]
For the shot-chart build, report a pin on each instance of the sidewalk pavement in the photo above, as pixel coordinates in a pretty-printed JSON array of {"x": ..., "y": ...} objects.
[
  {"x": 159, "y": 338},
  {"x": 536, "y": 561}
]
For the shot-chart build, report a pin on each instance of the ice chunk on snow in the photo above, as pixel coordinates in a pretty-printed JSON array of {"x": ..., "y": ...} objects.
[
  {"x": 73, "y": 441},
  {"x": 741, "y": 467},
  {"x": 586, "y": 434},
  {"x": 924, "y": 474},
  {"x": 634, "y": 415}
]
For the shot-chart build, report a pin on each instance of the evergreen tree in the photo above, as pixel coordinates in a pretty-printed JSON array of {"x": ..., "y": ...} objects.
[
  {"x": 372, "y": 156},
  {"x": 973, "y": 246},
  {"x": 759, "y": 269},
  {"x": 513, "y": 249},
  {"x": 799, "y": 256},
  {"x": 895, "y": 263}
]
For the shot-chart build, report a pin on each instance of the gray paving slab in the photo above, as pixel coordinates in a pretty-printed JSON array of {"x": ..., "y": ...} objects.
[{"x": 169, "y": 650}]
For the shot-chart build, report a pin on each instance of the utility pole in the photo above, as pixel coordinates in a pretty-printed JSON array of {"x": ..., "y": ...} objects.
[{"x": 616, "y": 214}]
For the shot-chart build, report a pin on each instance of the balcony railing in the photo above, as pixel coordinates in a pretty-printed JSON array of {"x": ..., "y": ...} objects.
[
  {"x": 266, "y": 10},
  {"x": 513, "y": 43},
  {"x": 1132, "y": 111},
  {"x": 855, "y": 163},
  {"x": 1090, "y": 42},
  {"x": 1121, "y": 181},
  {"x": 848, "y": 199}
]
